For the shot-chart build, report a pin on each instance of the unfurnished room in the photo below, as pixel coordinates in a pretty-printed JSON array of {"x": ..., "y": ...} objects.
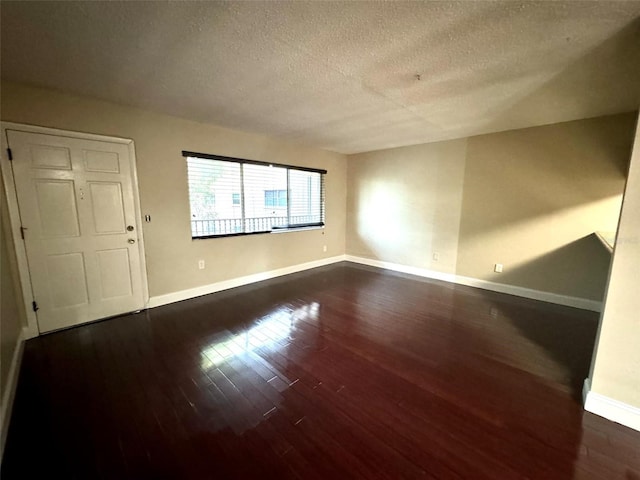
[{"x": 320, "y": 240}]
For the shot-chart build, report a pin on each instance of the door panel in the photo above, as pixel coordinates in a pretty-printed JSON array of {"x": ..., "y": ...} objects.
[
  {"x": 70, "y": 287},
  {"x": 106, "y": 162},
  {"x": 57, "y": 209},
  {"x": 76, "y": 200},
  {"x": 58, "y": 158},
  {"x": 114, "y": 273},
  {"x": 107, "y": 207}
]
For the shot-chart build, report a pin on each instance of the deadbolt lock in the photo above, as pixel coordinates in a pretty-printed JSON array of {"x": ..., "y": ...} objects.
[{"x": 129, "y": 228}]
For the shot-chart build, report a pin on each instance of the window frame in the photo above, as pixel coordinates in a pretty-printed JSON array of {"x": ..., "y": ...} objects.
[{"x": 275, "y": 229}]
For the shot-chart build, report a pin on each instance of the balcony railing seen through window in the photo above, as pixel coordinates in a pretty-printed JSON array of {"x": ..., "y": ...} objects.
[{"x": 230, "y": 196}]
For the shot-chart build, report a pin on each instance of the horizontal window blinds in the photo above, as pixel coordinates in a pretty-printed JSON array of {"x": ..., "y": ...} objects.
[
  {"x": 235, "y": 197},
  {"x": 306, "y": 198},
  {"x": 262, "y": 209},
  {"x": 212, "y": 186}
]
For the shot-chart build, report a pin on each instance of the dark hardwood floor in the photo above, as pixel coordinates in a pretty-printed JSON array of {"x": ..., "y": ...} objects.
[{"x": 338, "y": 372}]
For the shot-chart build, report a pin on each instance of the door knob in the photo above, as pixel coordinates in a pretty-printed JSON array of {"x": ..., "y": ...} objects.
[{"x": 131, "y": 240}]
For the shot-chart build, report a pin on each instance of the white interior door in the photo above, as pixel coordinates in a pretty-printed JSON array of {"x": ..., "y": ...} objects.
[{"x": 77, "y": 208}]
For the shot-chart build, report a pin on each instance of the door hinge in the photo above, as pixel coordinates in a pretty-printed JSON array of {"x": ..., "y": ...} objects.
[
  {"x": 10, "y": 154},
  {"x": 22, "y": 229},
  {"x": 35, "y": 306}
]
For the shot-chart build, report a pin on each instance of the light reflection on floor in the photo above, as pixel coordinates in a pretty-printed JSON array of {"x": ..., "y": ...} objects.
[
  {"x": 249, "y": 351},
  {"x": 270, "y": 330}
]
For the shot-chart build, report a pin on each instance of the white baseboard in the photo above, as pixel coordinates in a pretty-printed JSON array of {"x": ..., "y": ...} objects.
[
  {"x": 586, "y": 388},
  {"x": 10, "y": 392},
  {"x": 566, "y": 300},
  {"x": 576, "y": 302},
  {"x": 238, "y": 282},
  {"x": 397, "y": 267},
  {"x": 611, "y": 409}
]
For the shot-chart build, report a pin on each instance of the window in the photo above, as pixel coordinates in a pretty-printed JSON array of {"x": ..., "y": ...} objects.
[
  {"x": 232, "y": 196},
  {"x": 275, "y": 198}
]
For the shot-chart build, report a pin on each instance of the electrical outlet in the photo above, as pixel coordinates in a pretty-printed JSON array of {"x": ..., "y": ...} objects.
[
  {"x": 497, "y": 268},
  {"x": 201, "y": 264},
  {"x": 436, "y": 256},
  {"x": 324, "y": 248}
]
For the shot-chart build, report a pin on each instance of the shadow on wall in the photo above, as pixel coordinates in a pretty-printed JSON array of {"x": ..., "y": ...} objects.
[
  {"x": 533, "y": 197},
  {"x": 537, "y": 190},
  {"x": 583, "y": 265},
  {"x": 525, "y": 174}
]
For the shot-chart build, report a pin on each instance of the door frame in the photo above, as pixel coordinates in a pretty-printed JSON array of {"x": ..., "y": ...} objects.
[{"x": 32, "y": 330}]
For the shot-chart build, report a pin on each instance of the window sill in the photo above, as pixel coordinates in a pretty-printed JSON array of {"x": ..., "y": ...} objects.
[
  {"x": 299, "y": 229},
  {"x": 275, "y": 230}
]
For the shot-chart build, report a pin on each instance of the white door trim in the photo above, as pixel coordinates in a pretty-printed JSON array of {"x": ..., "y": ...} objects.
[{"x": 32, "y": 329}]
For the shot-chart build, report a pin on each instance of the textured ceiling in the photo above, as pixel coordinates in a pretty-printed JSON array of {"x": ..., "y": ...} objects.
[{"x": 348, "y": 77}]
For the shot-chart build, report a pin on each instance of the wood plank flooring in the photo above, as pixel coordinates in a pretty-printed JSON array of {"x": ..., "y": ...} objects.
[{"x": 338, "y": 372}]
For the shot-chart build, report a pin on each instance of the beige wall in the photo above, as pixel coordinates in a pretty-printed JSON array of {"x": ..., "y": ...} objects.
[
  {"x": 533, "y": 198},
  {"x": 11, "y": 313},
  {"x": 616, "y": 371},
  {"x": 529, "y": 199},
  {"x": 404, "y": 204},
  {"x": 172, "y": 257}
]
